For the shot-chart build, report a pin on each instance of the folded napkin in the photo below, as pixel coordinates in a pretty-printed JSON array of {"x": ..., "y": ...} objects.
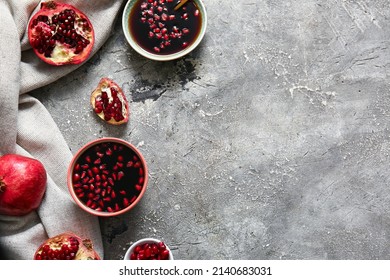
[{"x": 27, "y": 128}]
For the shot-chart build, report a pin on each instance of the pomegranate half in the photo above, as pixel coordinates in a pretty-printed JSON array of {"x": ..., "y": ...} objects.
[
  {"x": 109, "y": 102},
  {"x": 66, "y": 246},
  {"x": 61, "y": 34},
  {"x": 22, "y": 184}
]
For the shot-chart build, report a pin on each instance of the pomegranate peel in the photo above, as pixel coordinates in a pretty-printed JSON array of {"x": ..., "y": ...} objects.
[
  {"x": 109, "y": 102},
  {"x": 22, "y": 184},
  {"x": 61, "y": 34},
  {"x": 66, "y": 246}
]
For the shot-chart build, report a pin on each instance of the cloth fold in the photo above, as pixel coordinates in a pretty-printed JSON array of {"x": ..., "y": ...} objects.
[{"x": 27, "y": 128}]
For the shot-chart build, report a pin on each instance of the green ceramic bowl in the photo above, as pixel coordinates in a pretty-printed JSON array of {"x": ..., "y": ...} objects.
[{"x": 156, "y": 56}]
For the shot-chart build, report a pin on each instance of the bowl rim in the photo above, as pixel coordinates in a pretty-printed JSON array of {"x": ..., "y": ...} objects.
[
  {"x": 166, "y": 57},
  {"x": 143, "y": 241},
  {"x": 77, "y": 156}
]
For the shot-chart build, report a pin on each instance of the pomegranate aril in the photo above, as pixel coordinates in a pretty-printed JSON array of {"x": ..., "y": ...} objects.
[
  {"x": 126, "y": 202},
  {"x": 76, "y": 177},
  {"x": 138, "y": 188},
  {"x": 133, "y": 199}
]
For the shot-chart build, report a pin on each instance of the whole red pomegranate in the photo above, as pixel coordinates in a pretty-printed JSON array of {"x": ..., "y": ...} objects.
[
  {"x": 61, "y": 34},
  {"x": 22, "y": 184},
  {"x": 109, "y": 102},
  {"x": 66, "y": 246}
]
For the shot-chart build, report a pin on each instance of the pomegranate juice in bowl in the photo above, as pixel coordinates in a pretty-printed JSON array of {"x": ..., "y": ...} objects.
[
  {"x": 158, "y": 30},
  {"x": 107, "y": 177}
]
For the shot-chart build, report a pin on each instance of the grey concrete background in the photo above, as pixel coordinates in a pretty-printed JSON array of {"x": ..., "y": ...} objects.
[{"x": 269, "y": 141}]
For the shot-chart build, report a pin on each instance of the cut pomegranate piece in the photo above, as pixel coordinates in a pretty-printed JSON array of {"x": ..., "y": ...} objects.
[
  {"x": 61, "y": 34},
  {"x": 110, "y": 103},
  {"x": 66, "y": 246}
]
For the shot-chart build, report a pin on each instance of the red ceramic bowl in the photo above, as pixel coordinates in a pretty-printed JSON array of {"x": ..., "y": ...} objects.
[{"x": 107, "y": 177}]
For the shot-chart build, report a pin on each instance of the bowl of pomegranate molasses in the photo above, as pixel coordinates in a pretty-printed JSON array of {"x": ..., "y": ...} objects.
[
  {"x": 107, "y": 177},
  {"x": 164, "y": 30}
]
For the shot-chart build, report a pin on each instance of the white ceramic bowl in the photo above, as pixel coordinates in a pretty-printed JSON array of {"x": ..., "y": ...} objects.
[
  {"x": 162, "y": 57},
  {"x": 142, "y": 242}
]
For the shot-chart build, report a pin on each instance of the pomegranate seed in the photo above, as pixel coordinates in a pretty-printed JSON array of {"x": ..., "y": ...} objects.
[
  {"x": 185, "y": 44},
  {"x": 141, "y": 180},
  {"x": 140, "y": 172},
  {"x": 130, "y": 164},
  {"x": 133, "y": 199},
  {"x": 98, "y": 161},
  {"x": 122, "y": 192},
  {"x": 196, "y": 13},
  {"x": 120, "y": 175},
  {"x": 76, "y": 177},
  {"x": 109, "y": 152},
  {"x": 88, "y": 159},
  {"x": 100, "y": 154},
  {"x": 95, "y": 170},
  {"x": 113, "y": 195},
  {"x": 165, "y": 255},
  {"x": 77, "y": 167},
  {"x": 161, "y": 245},
  {"x": 138, "y": 187},
  {"x": 126, "y": 202},
  {"x": 77, "y": 191},
  {"x": 137, "y": 164}
]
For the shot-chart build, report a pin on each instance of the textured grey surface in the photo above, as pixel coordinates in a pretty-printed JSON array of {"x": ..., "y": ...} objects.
[{"x": 269, "y": 141}]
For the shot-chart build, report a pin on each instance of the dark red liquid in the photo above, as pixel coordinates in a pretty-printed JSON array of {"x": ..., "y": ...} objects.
[
  {"x": 93, "y": 186},
  {"x": 158, "y": 29}
]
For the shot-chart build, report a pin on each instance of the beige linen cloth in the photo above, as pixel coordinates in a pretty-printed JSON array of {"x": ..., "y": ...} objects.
[{"x": 27, "y": 128}]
